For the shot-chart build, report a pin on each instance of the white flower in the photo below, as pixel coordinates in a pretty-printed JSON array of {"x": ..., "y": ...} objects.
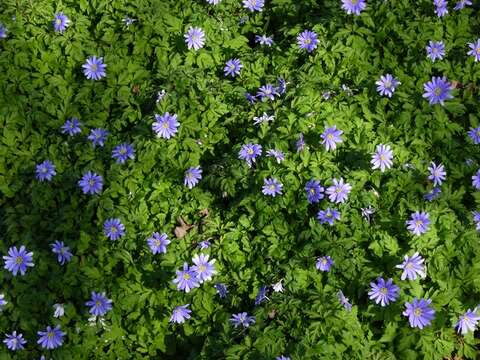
[
  {"x": 59, "y": 310},
  {"x": 161, "y": 95},
  {"x": 264, "y": 118},
  {"x": 278, "y": 287}
]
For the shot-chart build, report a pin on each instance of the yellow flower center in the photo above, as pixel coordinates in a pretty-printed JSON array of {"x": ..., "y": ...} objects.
[
  {"x": 384, "y": 290},
  {"x": 437, "y": 91},
  {"x": 186, "y": 276},
  {"x": 19, "y": 260},
  {"x": 418, "y": 312}
]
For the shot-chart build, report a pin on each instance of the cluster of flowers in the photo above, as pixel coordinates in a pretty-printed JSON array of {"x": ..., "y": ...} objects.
[
  {"x": 191, "y": 277},
  {"x": 53, "y": 337},
  {"x": 419, "y": 311}
]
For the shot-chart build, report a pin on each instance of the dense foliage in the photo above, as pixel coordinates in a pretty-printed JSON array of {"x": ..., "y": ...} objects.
[{"x": 257, "y": 240}]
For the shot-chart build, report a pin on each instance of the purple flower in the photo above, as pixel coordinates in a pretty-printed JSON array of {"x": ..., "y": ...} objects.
[
  {"x": 261, "y": 295},
  {"x": 98, "y": 137},
  {"x": 383, "y": 292},
  {"x": 250, "y": 98},
  {"x": 60, "y": 22},
  {"x": 440, "y": 7},
  {"x": 433, "y": 194},
  {"x": 353, "y": 6},
  {"x": 475, "y": 135},
  {"x": 300, "y": 144},
  {"x": 166, "y": 125},
  {"x": 180, "y": 314},
  {"x": 283, "y": 358},
  {"x": 344, "y": 301},
  {"x": 324, "y": 263},
  {"x": 195, "y": 38},
  {"x": 387, "y": 85},
  {"x": 51, "y": 338},
  {"x": 437, "y": 174},
  {"x": 128, "y": 21},
  {"x": 475, "y": 50},
  {"x": 419, "y": 313},
  {"x": 186, "y": 279},
  {"x": 267, "y": 92},
  {"x": 476, "y": 219},
  {"x": 99, "y": 304},
  {"x": 94, "y": 68},
  {"x": 338, "y": 192},
  {"x": 435, "y": 50},
  {"x": 232, "y": 67},
  {"x": 45, "y": 171},
  {"x": 476, "y": 180},
  {"x": 330, "y": 137},
  {"x": 272, "y": 187},
  {"x": 249, "y": 152},
  {"x": 412, "y": 266},
  {"x": 437, "y": 90},
  {"x": 281, "y": 86},
  {"x": 382, "y": 158},
  {"x": 242, "y": 319},
  {"x": 205, "y": 244},
  {"x": 158, "y": 243},
  {"x": 113, "y": 229},
  {"x": 264, "y": 40},
  {"x": 123, "y": 152},
  {"x": 307, "y": 40},
  {"x": 314, "y": 191},
  {"x": 468, "y": 321},
  {"x": 62, "y": 251},
  {"x": 213, "y": 2},
  {"x": 18, "y": 260},
  {"x": 192, "y": 176},
  {"x": 367, "y": 212},
  {"x": 277, "y": 154},
  {"x": 3, "y": 31},
  {"x": 419, "y": 223},
  {"x": 72, "y": 127},
  {"x": 253, "y": 5},
  {"x": 461, "y": 4},
  {"x": 221, "y": 290},
  {"x": 328, "y": 216},
  {"x": 14, "y": 342},
  {"x": 91, "y": 183},
  {"x": 203, "y": 268}
]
